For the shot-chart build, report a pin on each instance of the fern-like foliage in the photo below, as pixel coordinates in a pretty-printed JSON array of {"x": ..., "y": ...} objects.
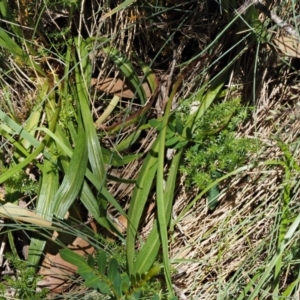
[{"x": 214, "y": 148}]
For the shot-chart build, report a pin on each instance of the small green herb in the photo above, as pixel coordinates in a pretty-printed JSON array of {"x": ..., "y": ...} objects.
[
  {"x": 214, "y": 145},
  {"x": 24, "y": 283}
]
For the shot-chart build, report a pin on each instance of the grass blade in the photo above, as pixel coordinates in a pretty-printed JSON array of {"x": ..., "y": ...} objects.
[
  {"x": 74, "y": 177},
  {"x": 83, "y": 79},
  {"x": 118, "y": 8},
  {"x": 148, "y": 254},
  {"x": 128, "y": 71},
  {"x": 139, "y": 198},
  {"x": 287, "y": 238}
]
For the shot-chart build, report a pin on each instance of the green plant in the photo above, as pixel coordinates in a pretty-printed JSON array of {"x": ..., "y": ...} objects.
[
  {"x": 22, "y": 285},
  {"x": 55, "y": 57},
  {"x": 20, "y": 184},
  {"x": 214, "y": 148},
  {"x": 105, "y": 276}
]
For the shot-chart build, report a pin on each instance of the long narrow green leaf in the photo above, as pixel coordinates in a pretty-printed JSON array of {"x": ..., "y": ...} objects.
[
  {"x": 48, "y": 188},
  {"x": 118, "y": 8},
  {"x": 149, "y": 74},
  {"x": 40, "y": 148},
  {"x": 148, "y": 254},
  {"x": 162, "y": 216},
  {"x": 23, "y": 152},
  {"x": 87, "y": 197},
  {"x": 74, "y": 177},
  {"x": 11, "y": 171},
  {"x": 31, "y": 124},
  {"x": 19, "y": 130},
  {"x": 9, "y": 44},
  {"x": 44, "y": 208},
  {"x": 89, "y": 175},
  {"x": 139, "y": 198},
  {"x": 83, "y": 79},
  {"x": 73, "y": 258}
]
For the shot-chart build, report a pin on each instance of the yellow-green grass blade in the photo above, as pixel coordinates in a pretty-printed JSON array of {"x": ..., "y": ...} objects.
[
  {"x": 40, "y": 148},
  {"x": 118, "y": 8},
  {"x": 171, "y": 183},
  {"x": 44, "y": 207},
  {"x": 22, "y": 151},
  {"x": 148, "y": 74},
  {"x": 162, "y": 217},
  {"x": 9, "y": 44},
  {"x": 138, "y": 201},
  {"x": 19, "y": 130},
  {"x": 49, "y": 185},
  {"x": 31, "y": 123},
  {"x": 107, "y": 112},
  {"x": 83, "y": 79},
  {"x": 90, "y": 202},
  {"x": 34, "y": 118},
  {"x": 89, "y": 175},
  {"x": 48, "y": 189}
]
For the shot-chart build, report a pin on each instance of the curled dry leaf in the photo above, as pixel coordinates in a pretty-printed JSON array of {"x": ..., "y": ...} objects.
[
  {"x": 118, "y": 87},
  {"x": 57, "y": 273},
  {"x": 288, "y": 45},
  {"x": 121, "y": 89}
]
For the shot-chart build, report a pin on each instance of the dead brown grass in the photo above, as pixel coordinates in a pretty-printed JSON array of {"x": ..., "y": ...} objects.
[{"x": 237, "y": 233}]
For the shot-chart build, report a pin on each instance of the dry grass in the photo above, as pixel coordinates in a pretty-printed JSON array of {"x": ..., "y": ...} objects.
[
  {"x": 213, "y": 252},
  {"x": 231, "y": 242}
]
